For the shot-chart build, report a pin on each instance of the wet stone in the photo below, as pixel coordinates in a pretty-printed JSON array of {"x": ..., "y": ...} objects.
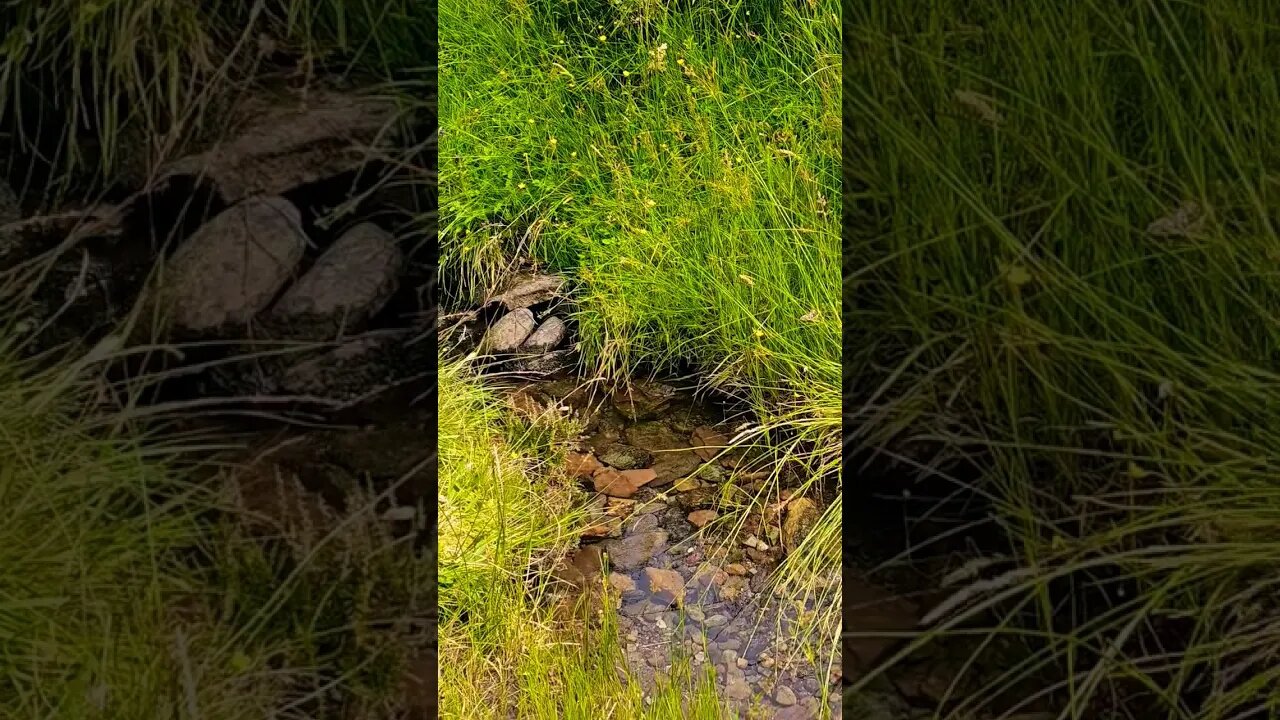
[
  {"x": 633, "y": 551},
  {"x": 626, "y": 457}
]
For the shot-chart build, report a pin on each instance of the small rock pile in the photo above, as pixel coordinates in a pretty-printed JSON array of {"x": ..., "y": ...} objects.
[
  {"x": 527, "y": 326},
  {"x": 242, "y": 273}
]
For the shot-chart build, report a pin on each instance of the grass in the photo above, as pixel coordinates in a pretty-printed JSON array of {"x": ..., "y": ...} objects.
[
  {"x": 1064, "y": 252},
  {"x": 679, "y": 164},
  {"x": 134, "y": 581},
  {"x": 129, "y": 589},
  {"x": 506, "y": 518},
  {"x": 91, "y": 89}
]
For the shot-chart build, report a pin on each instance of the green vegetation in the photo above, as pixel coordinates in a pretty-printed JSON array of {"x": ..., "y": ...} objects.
[
  {"x": 679, "y": 163},
  {"x": 96, "y": 87},
  {"x": 506, "y": 518},
  {"x": 128, "y": 589},
  {"x": 1065, "y": 256},
  {"x": 135, "y": 580}
]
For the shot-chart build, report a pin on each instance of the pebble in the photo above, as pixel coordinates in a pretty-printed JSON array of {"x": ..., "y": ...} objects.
[
  {"x": 737, "y": 689},
  {"x": 716, "y": 620},
  {"x": 784, "y": 696},
  {"x": 741, "y": 662}
]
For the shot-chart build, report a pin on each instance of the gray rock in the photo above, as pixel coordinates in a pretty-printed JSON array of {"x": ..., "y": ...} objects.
[
  {"x": 349, "y": 283},
  {"x": 231, "y": 268},
  {"x": 737, "y": 689},
  {"x": 509, "y": 332},
  {"x": 626, "y": 457},
  {"x": 548, "y": 335},
  {"x": 633, "y": 551},
  {"x": 529, "y": 290},
  {"x": 784, "y": 696}
]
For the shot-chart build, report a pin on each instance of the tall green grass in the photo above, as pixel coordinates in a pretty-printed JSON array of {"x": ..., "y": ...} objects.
[
  {"x": 92, "y": 88},
  {"x": 131, "y": 587},
  {"x": 506, "y": 519},
  {"x": 1039, "y": 296},
  {"x": 679, "y": 162}
]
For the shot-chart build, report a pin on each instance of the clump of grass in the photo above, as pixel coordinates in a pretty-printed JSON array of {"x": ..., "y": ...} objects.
[
  {"x": 680, "y": 164},
  {"x": 1065, "y": 242},
  {"x": 129, "y": 590},
  {"x": 505, "y": 518},
  {"x": 91, "y": 88}
]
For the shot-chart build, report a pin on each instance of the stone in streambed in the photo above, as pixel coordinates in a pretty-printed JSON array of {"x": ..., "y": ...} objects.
[
  {"x": 350, "y": 282},
  {"x": 232, "y": 266},
  {"x": 635, "y": 550},
  {"x": 626, "y": 457},
  {"x": 621, "y": 483},
  {"x": 801, "y": 516},
  {"x": 582, "y": 465},
  {"x": 509, "y": 332},
  {"x": 546, "y": 337}
]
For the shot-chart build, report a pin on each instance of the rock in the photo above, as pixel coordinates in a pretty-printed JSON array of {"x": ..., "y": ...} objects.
[
  {"x": 741, "y": 662},
  {"x": 605, "y": 527},
  {"x": 801, "y": 516},
  {"x": 581, "y": 465},
  {"x": 784, "y": 696},
  {"x": 546, "y": 337},
  {"x": 349, "y": 283},
  {"x": 700, "y": 518},
  {"x": 737, "y": 689},
  {"x": 737, "y": 569},
  {"x": 282, "y": 144},
  {"x": 672, "y": 458},
  {"x": 621, "y": 483},
  {"x": 665, "y": 584},
  {"x": 232, "y": 266},
  {"x": 634, "y": 551},
  {"x": 708, "y": 442},
  {"x": 529, "y": 290},
  {"x": 621, "y": 584},
  {"x": 509, "y": 332},
  {"x": 643, "y": 399},
  {"x": 626, "y": 457}
]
